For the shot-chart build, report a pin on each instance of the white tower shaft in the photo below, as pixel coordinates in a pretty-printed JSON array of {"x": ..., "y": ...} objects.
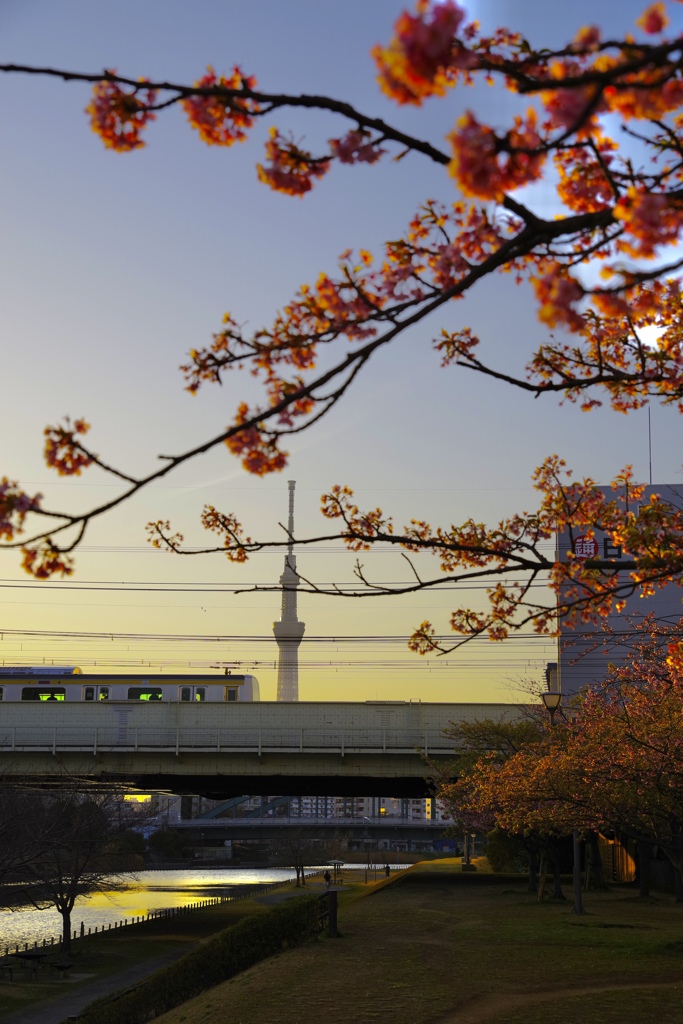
[{"x": 288, "y": 630}]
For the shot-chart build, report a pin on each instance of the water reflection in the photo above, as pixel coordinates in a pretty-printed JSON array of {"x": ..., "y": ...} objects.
[{"x": 144, "y": 892}]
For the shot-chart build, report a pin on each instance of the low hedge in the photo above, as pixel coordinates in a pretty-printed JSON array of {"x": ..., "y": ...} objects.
[{"x": 223, "y": 956}]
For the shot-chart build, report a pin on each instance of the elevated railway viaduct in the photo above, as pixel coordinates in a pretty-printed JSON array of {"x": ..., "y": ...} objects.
[{"x": 223, "y": 750}]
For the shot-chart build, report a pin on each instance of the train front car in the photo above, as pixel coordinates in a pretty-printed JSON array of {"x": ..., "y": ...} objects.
[{"x": 66, "y": 684}]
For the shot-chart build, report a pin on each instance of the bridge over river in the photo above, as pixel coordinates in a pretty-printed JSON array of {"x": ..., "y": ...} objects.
[{"x": 221, "y": 750}]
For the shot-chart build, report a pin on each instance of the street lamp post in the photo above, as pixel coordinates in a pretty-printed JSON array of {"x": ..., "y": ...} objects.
[
  {"x": 367, "y": 842},
  {"x": 468, "y": 849},
  {"x": 552, "y": 701}
]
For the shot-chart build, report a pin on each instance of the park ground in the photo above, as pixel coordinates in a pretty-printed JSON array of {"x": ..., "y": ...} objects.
[{"x": 433, "y": 946}]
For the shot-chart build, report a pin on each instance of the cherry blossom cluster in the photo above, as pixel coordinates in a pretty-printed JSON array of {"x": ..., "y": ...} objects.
[
  {"x": 217, "y": 112},
  {"x": 356, "y": 147},
  {"x": 290, "y": 169},
  {"x": 45, "y": 561},
  {"x": 421, "y": 59},
  {"x": 15, "y": 505},
  {"x": 487, "y": 165},
  {"x": 253, "y": 446},
  {"x": 63, "y": 450},
  {"x": 119, "y": 116}
]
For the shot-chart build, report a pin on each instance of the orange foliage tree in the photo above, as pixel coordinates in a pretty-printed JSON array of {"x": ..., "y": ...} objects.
[
  {"x": 615, "y": 762},
  {"x": 602, "y": 270},
  {"x": 456, "y": 784}
]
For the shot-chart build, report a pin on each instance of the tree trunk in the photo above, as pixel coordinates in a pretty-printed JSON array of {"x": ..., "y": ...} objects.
[
  {"x": 533, "y": 870},
  {"x": 543, "y": 871},
  {"x": 557, "y": 882},
  {"x": 643, "y": 866},
  {"x": 303, "y": 875},
  {"x": 66, "y": 930},
  {"x": 679, "y": 885},
  {"x": 677, "y": 860},
  {"x": 597, "y": 875}
]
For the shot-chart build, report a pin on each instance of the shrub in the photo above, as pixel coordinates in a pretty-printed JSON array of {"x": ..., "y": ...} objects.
[
  {"x": 504, "y": 852},
  {"x": 223, "y": 956}
]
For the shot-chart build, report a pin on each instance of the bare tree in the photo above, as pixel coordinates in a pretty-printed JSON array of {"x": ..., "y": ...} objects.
[
  {"x": 299, "y": 849},
  {"x": 81, "y": 856},
  {"x": 21, "y": 845}
]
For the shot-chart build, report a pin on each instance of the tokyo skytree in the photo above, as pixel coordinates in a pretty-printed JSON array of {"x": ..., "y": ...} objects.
[{"x": 288, "y": 630}]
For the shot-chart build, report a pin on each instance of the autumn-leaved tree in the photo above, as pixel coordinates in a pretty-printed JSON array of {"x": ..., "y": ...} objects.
[
  {"x": 484, "y": 747},
  {"x": 614, "y": 762},
  {"x": 598, "y": 122}
]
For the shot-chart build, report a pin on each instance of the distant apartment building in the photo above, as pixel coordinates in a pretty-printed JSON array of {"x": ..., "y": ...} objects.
[{"x": 585, "y": 652}]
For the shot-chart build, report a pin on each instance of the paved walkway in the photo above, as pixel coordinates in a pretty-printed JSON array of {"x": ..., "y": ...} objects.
[
  {"x": 71, "y": 1003},
  {"x": 271, "y": 899}
]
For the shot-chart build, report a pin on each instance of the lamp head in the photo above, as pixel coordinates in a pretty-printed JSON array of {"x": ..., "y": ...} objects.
[{"x": 552, "y": 700}]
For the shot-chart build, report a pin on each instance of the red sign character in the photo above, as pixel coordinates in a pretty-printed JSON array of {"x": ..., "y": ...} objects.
[{"x": 585, "y": 547}]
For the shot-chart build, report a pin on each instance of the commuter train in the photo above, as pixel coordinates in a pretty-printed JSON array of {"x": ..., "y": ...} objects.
[{"x": 71, "y": 684}]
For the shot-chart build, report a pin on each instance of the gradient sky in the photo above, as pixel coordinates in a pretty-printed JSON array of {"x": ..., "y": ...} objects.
[{"x": 114, "y": 265}]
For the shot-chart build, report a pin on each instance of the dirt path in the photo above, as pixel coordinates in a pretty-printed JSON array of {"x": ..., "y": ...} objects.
[{"x": 484, "y": 1009}]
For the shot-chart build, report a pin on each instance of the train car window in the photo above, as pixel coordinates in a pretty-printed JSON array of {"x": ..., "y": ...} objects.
[
  {"x": 43, "y": 693},
  {"x": 200, "y": 693},
  {"x": 88, "y": 693},
  {"x": 185, "y": 693},
  {"x": 148, "y": 693},
  {"x": 2, "y": 693},
  {"x": 104, "y": 693},
  {"x": 230, "y": 693}
]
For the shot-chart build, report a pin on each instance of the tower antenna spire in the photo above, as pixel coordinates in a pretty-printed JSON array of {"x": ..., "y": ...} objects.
[
  {"x": 288, "y": 630},
  {"x": 290, "y": 522}
]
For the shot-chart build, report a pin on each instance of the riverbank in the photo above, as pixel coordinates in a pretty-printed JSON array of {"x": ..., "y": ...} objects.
[
  {"x": 130, "y": 897},
  {"x": 437, "y": 945},
  {"x": 115, "y": 960},
  {"x": 124, "y": 956},
  {"x": 429, "y": 945}
]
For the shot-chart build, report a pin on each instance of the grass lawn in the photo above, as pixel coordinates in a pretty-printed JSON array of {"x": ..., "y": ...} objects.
[{"x": 440, "y": 946}]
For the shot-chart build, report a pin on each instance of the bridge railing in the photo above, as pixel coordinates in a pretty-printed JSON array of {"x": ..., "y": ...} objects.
[
  {"x": 201, "y": 739},
  {"x": 340, "y": 822}
]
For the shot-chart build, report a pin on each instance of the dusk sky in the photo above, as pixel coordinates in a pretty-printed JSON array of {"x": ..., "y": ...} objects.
[{"x": 114, "y": 265}]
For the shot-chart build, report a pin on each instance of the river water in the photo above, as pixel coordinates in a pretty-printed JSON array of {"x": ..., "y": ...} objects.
[{"x": 146, "y": 891}]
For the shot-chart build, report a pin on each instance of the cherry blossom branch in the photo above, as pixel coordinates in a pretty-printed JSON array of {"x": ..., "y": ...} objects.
[{"x": 276, "y": 101}]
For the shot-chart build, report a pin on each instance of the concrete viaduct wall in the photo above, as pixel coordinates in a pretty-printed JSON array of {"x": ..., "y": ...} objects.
[{"x": 222, "y": 750}]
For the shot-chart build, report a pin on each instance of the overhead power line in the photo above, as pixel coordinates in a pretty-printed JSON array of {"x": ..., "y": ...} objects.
[
  {"x": 377, "y": 638},
  {"x": 228, "y": 588}
]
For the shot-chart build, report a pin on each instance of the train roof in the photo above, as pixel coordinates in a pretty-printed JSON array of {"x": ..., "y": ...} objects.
[{"x": 161, "y": 677}]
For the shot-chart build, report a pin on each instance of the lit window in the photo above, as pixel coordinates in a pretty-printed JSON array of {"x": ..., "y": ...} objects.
[
  {"x": 148, "y": 693},
  {"x": 33, "y": 693}
]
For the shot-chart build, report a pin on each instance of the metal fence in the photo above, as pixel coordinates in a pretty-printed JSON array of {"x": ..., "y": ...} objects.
[{"x": 201, "y": 739}]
